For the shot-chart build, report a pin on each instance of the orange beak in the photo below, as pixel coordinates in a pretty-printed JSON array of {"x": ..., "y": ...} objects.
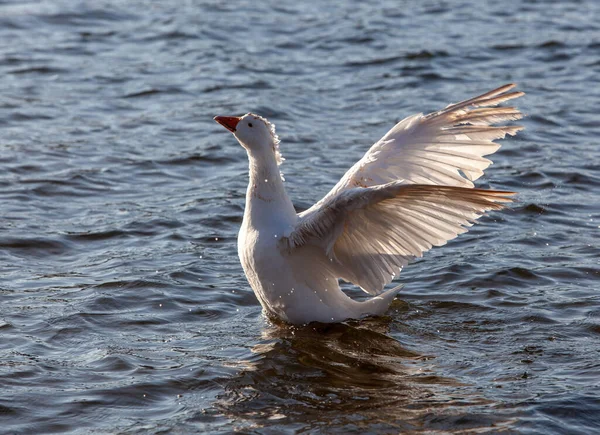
[{"x": 229, "y": 122}]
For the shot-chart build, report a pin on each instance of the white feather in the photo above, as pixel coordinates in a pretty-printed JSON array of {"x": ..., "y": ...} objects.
[
  {"x": 372, "y": 232},
  {"x": 436, "y": 148},
  {"x": 411, "y": 191}
]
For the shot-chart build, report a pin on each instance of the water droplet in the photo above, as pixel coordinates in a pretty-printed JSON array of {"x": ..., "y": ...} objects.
[
  {"x": 160, "y": 305},
  {"x": 266, "y": 180},
  {"x": 216, "y": 238}
]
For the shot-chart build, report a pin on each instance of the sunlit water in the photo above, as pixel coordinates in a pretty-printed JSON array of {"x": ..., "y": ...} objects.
[{"x": 123, "y": 304}]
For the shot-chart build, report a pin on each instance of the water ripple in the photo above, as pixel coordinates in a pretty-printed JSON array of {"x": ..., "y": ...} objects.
[{"x": 124, "y": 307}]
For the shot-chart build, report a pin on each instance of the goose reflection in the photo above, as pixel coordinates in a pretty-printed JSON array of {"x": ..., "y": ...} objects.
[{"x": 347, "y": 376}]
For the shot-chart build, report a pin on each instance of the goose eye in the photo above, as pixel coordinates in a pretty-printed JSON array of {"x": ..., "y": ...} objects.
[{"x": 249, "y": 124}]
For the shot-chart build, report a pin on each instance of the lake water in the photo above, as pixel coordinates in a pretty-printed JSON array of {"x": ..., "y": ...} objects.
[{"x": 124, "y": 308}]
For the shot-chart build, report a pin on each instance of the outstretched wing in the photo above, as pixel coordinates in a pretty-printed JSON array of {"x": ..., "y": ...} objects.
[
  {"x": 371, "y": 233},
  {"x": 442, "y": 148}
]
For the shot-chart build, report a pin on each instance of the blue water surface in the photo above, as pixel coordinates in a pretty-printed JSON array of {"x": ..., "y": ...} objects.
[{"x": 123, "y": 306}]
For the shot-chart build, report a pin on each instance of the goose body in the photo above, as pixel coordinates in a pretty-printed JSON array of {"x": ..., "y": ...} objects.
[{"x": 411, "y": 191}]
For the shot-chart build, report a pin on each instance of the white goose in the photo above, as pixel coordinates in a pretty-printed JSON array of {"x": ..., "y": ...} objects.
[{"x": 411, "y": 191}]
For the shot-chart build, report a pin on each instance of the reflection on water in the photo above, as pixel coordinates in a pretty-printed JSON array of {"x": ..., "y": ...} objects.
[{"x": 349, "y": 377}]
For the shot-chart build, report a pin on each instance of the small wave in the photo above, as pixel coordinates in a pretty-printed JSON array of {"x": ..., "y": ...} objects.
[
  {"x": 259, "y": 84},
  {"x": 194, "y": 159},
  {"x": 508, "y": 47},
  {"x": 551, "y": 44},
  {"x": 417, "y": 55},
  {"x": 426, "y": 54},
  {"x": 85, "y": 17},
  {"x": 39, "y": 70},
  {"x": 91, "y": 236},
  {"x": 34, "y": 247},
  {"x": 154, "y": 91},
  {"x": 171, "y": 35}
]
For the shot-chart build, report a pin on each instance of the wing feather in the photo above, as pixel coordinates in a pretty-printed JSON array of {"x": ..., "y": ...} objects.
[
  {"x": 411, "y": 191},
  {"x": 410, "y": 151},
  {"x": 371, "y": 233}
]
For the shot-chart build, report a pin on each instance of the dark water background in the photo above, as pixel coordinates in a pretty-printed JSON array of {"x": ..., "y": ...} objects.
[{"x": 123, "y": 307}]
